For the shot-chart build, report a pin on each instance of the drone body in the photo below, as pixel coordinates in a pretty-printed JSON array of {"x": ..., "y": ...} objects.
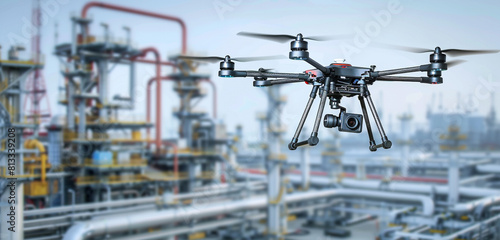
[{"x": 338, "y": 80}]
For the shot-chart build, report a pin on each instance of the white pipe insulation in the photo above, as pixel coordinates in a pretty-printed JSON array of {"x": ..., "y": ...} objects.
[
  {"x": 112, "y": 224},
  {"x": 487, "y": 197},
  {"x": 488, "y": 168}
]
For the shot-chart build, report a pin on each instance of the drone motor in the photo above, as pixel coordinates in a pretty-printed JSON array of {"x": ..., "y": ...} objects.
[
  {"x": 298, "y": 49},
  {"x": 226, "y": 67}
]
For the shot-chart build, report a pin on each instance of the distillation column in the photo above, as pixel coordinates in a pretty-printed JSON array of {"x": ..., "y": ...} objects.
[
  {"x": 452, "y": 146},
  {"x": 276, "y": 215},
  {"x": 13, "y": 75}
]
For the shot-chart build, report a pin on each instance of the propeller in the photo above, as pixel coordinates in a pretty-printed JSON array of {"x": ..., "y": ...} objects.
[
  {"x": 265, "y": 70},
  {"x": 454, "y": 52},
  {"x": 282, "y": 38},
  {"x": 214, "y": 59},
  {"x": 453, "y": 63}
]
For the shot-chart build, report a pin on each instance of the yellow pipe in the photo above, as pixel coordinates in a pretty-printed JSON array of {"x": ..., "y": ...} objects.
[
  {"x": 278, "y": 199},
  {"x": 136, "y": 135},
  {"x": 33, "y": 143}
]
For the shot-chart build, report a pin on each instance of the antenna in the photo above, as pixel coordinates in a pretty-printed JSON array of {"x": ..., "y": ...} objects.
[{"x": 35, "y": 84}]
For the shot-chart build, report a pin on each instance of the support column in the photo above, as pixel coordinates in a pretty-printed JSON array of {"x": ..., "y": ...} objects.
[
  {"x": 406, "y": 142},
  {"x": 70, "y": 117},
  {"x": 103, "y": 79},
  {"x": 453, "y": 179},
  {"x": 276, "y": 191},
  {"x": 305, "y": 167}
]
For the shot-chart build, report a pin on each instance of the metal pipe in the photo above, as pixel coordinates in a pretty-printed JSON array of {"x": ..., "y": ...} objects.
[
  {"x": 132, "y": 85},
  {"x": 375, "y": 176},
  {"x": 214, "y": 224},
  {"x": 214, "y": 189},
  {"x": 477, "y": 179},
  {"x": 73, "y": 200},
  {"x": 164, "y": 234},
  {"x": 33, "y": 143},
  {"x": 70, "y": 117},
  {"x": 108, "y": 190},
  {"x": 65, "y": 220},
  {"x": 361, "y": 219},
  {"x": 125, "y": 192},
  {"x": 230, "y": 185},
  {"x": 488, "y": 168},
  {"x": 108, "y": 225},
  {"x": 83, "y": 230},
  {"x": 158, "y": 94},
  {"x": 488, "y": 196},
  {"x": 469, "y": 206},
  {"x": 88, "y": 206},
  {"x": 89, "y": 5},
  {"x": 414, "y": 187},
  {"x": 57, "y": 236}
]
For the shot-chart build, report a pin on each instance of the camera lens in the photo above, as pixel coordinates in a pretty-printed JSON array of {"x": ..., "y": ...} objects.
[
  {"x": 352, "y": 123},
  {"x": 330, "y": 121}
]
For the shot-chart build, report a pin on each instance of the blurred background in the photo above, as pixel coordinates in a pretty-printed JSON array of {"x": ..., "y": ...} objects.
[{"x": 101, "y": 152}]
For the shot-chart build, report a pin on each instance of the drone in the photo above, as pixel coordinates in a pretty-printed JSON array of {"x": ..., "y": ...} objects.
[{"x": 336, "y": 81}]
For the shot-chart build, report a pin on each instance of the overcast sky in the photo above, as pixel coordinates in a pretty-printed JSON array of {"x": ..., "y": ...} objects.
[{"x": 213, "y": 24}]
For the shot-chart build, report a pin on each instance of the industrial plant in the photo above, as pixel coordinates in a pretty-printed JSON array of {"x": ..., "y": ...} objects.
[{"x": 96, "y": 170}]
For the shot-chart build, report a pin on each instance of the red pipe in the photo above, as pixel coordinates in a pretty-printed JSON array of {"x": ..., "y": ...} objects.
[
  {"x": 176, "y": 161},
  {"x": 254, "y": 171},
  {"x": 222, "y": 175},
  {"x": 140, "y": 12},
  {"x": 153, "y": 62},
  {"x": 158, "y": 94}
]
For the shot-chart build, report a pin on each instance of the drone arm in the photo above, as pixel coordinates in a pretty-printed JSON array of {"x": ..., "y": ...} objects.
[
  {"x": 274, "y": 75},
  {"x": 395, "y": 71},
  {"x": 315, "y": 64},
  {"x": 282, "y": 81},
  {"x": 238, "y": 74},
  {"x": 429, "y": 68},
  {"x": 267, "y": 83},
  {"x": 400, "y": 79}
]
